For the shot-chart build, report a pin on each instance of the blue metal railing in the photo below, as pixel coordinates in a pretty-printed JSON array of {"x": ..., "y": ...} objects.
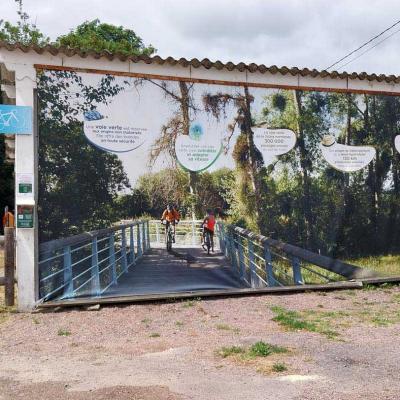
[
  {"x": 260, "y": 261},
  {"x": 90, "y": 263}
]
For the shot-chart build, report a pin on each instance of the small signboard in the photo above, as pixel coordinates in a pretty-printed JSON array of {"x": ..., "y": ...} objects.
[
  {"x": 25, "y": 216},
  {"x": 16, "y": 120},
  {"x": 24, "y": 185}
]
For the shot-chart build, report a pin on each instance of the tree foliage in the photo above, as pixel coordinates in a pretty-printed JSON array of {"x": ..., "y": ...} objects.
[{"x": 98, "y": 36}]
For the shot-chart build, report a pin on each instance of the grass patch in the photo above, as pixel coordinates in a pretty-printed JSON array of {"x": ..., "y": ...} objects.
[
  {"x": 230, "y": 351},
  {"x": 312, "y": 321},
  {"x": 64, "y": 332},
  {"x": 384, "y": 264},
  {"x": 279, "y": 367},
  {"x": 262, "y": 349},
  {"x": 154, "y": 335},
  {"x": 179, "y": 323},
  {"x": 258, "y": 349}
]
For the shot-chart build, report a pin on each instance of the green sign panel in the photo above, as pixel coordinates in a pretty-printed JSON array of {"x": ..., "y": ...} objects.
[
  {"x": 25, "y": 217},
  {"x": 25, "y": 188}
]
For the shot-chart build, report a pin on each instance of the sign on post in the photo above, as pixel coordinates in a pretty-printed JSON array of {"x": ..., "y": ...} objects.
[{"x": 16, "y": 120}]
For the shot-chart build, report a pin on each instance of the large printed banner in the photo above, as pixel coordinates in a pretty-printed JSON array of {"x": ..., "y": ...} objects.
[{"x": 319, "y": 170}]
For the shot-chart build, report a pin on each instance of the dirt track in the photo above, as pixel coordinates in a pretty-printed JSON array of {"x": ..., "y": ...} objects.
[{"x": 170, "y": 350}]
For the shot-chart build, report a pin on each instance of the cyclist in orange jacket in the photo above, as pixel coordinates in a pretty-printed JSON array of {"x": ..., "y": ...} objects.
[{"x": 170, "y": 216}]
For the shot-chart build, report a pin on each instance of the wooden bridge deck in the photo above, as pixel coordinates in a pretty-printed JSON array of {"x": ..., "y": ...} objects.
[{"x": 189, "y": 269}]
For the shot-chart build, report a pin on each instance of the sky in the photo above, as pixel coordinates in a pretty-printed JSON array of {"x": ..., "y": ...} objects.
[{"x": 301, "y": 33}]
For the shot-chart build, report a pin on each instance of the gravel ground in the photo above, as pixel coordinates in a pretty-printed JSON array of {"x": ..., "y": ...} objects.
[{"x": 170, "y": 350}]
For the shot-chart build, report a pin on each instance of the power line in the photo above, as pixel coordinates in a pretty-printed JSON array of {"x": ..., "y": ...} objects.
[
  {"x": 369, "y": 49},
  {"x": 363, "y": 45}
]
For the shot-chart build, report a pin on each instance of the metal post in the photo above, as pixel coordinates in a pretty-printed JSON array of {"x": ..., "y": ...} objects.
[
  {"x": 297, "y": 278},
  {"x": 123, "y": 250},
  {"x": 68, "y": 282},
  {"x": 242, "y": 267},
  {"x": 9, "y": 265},
  {"x": 269, "y": 272},
  {"x": 253, "y": 271},
  {"x": 138, "y": 241},
  {"x": 111, "y": 253},
  {"x": 148, "y": 234},
  {"x": 157, "y": 233},
  {"x": 95, "y": 282},
  {"x": 131, "y": 246}
]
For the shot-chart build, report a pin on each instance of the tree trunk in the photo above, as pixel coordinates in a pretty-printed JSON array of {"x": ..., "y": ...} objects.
[
  {"x": 305, "y": 169},
  {"x": 184, "y": 105}
]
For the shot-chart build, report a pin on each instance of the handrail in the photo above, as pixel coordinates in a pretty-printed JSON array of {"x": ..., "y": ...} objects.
[
  {"x": 72, "y": 240},
  {"x": 66, "y": 266},
  {"x": 339, "y": 267}
]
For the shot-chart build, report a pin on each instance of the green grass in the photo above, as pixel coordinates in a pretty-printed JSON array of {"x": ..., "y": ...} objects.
[
  {"x": 63, "y": 332},
  {"x": 179, "y": 323},
  {"x": 311, "y": 321},
  {"x": 279, "y": 367},
  {"x": 230, "y": 351},
  {"x": 258, "y": 349},
  {"x": 262, "y": 349},
  {"x": 384, "y": 264},
  {"x": 154, "y": 335}
]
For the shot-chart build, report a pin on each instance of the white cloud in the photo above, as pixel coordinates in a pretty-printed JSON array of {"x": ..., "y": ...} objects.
[{"x": 311, "y": 33}]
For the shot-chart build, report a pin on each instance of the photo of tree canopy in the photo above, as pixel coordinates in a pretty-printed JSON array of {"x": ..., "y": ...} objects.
[{"x": 297, "y": 197}]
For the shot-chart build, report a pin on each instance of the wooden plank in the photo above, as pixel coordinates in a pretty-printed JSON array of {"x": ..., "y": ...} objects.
[
  {"x": 380, "y": 280},
  {"x": 9, "y": 265},
  {"x": 200, "y": 293},
  {"x": 41, "y": 67}
]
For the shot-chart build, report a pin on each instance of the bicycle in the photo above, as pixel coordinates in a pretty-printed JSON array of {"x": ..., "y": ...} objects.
[
  {"x": 207, "y": 241},
  {"x": 169, "y": 235}
]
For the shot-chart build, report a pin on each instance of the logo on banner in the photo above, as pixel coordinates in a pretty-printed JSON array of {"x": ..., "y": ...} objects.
[
  {"x": 346, "y": 158},
  {"x": 273, "y": 142},
  {"x": 197, "y": 151},
  {"x": 112, "y": 136}
]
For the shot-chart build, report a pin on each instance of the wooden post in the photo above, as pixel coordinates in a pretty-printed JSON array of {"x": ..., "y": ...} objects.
[{"x": 9, "y": 265}]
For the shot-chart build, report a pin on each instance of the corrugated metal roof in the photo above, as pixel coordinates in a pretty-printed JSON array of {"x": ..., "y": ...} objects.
[{"x": 206, "y": 63}]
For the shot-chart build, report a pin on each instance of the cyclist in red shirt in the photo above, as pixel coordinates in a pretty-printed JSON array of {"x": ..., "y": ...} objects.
[{"x": 209, "y": 226}]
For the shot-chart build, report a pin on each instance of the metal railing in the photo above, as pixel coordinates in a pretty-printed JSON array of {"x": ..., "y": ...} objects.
[
  {"x": 260, "y": 261},
  {"x": 188, "y": 233},
  {"x": 90, "y": 263}
]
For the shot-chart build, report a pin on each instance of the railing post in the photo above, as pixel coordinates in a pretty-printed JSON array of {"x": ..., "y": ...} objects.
[
  {"x": 148, "y": 234},
  {"x": 193, "y": 233},
  {"x": 138, "y": 242},
  {"x": 9, "y": 265},
  {"x": 131, "y": 246},
  {"x": 232, "y": 249},
  {"x": 111, "y": 253},
  {"x": 95, "y": 282},
  {"x": 123, "y": 250},
  {"x": 242, "y": 267},
  {"x": 254, "y": 282},
  {"x": 157, "y": 233},
  {"x": 68, "y": 282},
  {"x": 297, "y": 278},
  {"x": 269, "y": 272}
]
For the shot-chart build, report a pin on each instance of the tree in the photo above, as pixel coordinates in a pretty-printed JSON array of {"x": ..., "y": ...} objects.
[
  {"x": 78, "y": 183},
  {"x": 23, "y": 31},
  {"x": 98, "y": 36}
]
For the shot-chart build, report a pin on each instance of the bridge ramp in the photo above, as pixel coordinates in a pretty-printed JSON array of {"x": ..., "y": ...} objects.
[{"x": 186, "y": 269}]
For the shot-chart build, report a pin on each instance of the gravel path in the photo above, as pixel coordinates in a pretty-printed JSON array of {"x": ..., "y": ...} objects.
[{"x": 170, "y": 350}]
